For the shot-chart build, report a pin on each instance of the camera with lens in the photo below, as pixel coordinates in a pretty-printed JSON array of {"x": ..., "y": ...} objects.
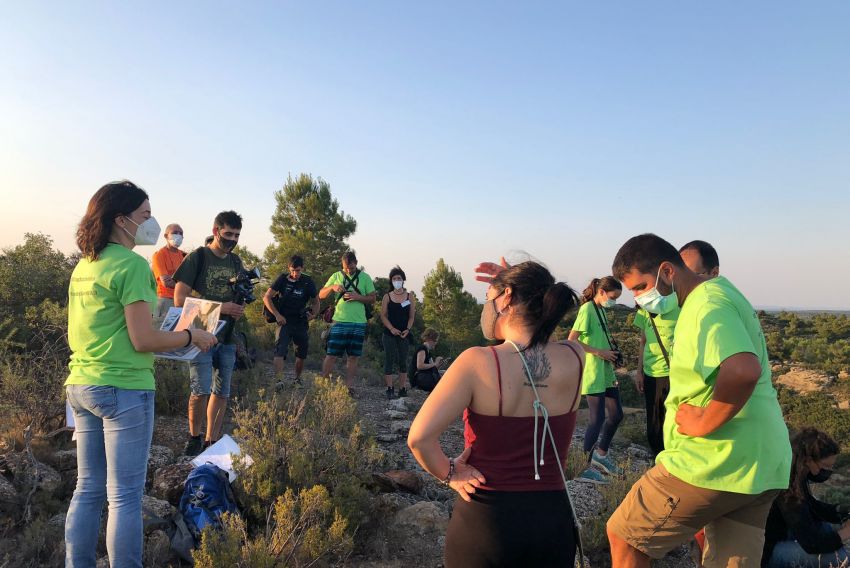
[{"x": 243, "y": 285}]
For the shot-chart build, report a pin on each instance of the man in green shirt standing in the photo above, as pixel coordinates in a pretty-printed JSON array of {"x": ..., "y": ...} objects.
[
  {"x": 207, "y": 271},
  {"x": 354, "y": 290},
  {"x": 726, "y": 448}
]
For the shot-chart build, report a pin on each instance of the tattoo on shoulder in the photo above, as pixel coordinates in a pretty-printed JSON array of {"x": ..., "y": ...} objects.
[{"x": 538, "y": 364}]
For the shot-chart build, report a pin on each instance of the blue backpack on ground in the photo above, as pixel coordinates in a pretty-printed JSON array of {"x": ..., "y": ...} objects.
[{"x": 206, "y": 496}]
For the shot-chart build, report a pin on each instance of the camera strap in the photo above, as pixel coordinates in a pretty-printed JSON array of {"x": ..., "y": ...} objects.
[
  {"x": 611, "y": 343},
  {"x": 660, "y": 343}
]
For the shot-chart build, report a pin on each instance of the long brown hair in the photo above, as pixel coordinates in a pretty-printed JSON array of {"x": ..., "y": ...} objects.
[
  {"x": 606, "y": 283},
  {"x": 809, "y": 445},
  {"x": 110, "y": 201}
]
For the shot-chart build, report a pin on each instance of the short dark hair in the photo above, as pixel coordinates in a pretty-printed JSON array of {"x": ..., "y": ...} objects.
[
  {"x": 706, "y": 252},
  {"x": 111, "y": 201},
  {"x": 397, "y": 271},
  {"x": 645, "y": 253},
  {"x": 295, "y": 261},
  {"x": 348, "y": 257},
  {"x": 209, "y": 240},
  {"x": 230, "y": 218}
]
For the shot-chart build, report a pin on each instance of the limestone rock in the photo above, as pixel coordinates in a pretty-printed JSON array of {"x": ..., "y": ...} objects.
[
  {"x": 168, "y": 482},
  {"x": 804, "y": 381},
  {"x": 395, "y": 415},
  {"x": 66, "y": 460},
  {"x": 408, "y": 481},
  {"x": 638, "y": 452},
  {"x": 400, "y": 426},
  {"x": 159, "y": 456},
  {"x": 8, "y": 494},
  {"x": 423, "y": 516},
  {"x": 158, "y": 507},
  {"x": 586, "y": 499},
  {"x": 384, "y": 483},
  {"x": 400, "y": 404},
  {"x": 387, "y": 438}
]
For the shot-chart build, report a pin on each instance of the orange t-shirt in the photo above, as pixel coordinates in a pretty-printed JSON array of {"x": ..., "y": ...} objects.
[{"x": 165, "y": 262}]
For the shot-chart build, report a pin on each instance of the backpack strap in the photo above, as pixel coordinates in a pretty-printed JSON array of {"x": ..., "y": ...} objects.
[{"x": 660, "y": 343}]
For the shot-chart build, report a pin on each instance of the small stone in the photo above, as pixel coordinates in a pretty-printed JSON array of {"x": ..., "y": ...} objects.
[
  {"x": 400, "y": 426},
  {"x": 400, "y": 405},
  {"x": 387, "y": 438},
  {"x": 395, "y": 415},
  {"x": 406, "y": 480},
  {"x": 384, "y": 483}
]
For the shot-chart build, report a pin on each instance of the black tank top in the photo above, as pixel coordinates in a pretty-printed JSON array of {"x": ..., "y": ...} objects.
[{"x": 397, "y": 314}]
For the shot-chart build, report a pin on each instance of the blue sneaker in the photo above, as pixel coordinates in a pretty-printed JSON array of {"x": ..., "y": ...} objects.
[
  {"x": 606, "y": 464},
  {"x": 591, "y": 475}
]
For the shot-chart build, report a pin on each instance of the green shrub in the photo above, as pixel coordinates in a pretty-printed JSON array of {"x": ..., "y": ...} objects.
[{"x": 306, "y": 437}]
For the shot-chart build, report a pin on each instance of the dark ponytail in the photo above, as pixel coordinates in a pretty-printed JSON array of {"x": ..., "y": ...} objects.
[
  {"x": 606, "y": 283},
  {"x": 541, "y": 301}
]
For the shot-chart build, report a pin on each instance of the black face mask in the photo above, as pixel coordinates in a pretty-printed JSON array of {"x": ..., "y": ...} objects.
[
  {"x": 227, "y": 244},
  {"x": 820, "y": 476}
]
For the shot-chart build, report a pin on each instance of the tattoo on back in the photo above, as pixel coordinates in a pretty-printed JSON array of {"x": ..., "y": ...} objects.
[{"x": 538, "y": 364}]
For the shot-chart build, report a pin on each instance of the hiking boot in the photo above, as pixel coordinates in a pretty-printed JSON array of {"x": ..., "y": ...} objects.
[
  {"x": 194, "y": 446},
  {"x": 606, "y": 464},
  {"x": 591, "y": 475},
  {"x": 402, "y": 392},
  {"x": 390, "y": 393}
]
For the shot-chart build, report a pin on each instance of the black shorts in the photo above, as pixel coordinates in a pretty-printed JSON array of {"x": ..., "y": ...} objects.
[{"x": 296, "y": 331}]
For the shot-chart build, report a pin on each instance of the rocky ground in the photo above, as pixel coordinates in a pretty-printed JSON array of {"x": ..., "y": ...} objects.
[{"x": 413, "y": 509}]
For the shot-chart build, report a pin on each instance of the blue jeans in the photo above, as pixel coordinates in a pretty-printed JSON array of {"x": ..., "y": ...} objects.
[
  {"x": 789, "y": 553},
  {"x": 221, "y": 359},
  {"x": 114, "y": 429}
]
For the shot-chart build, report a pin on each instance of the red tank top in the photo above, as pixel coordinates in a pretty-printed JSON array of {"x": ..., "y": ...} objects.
[{"x": 503, "y": 446}]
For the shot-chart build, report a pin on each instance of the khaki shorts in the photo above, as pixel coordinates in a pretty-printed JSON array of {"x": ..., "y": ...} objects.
[{"x": 662, "y": 512}]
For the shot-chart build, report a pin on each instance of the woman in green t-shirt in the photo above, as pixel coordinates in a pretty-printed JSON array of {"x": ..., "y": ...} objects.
[
  {"x": 599, "y": 385},
  {"x": 110, "y": 387}
]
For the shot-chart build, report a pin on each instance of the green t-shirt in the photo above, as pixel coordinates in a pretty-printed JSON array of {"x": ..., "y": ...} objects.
[
  {"x": 751, "y": 453},
  {"x": 101, "y": 350},
  {"x": 654, "y": 364},
  {"x": 598, "y": 373},
  {"x": 351, "y": 312},
  {"x": 211, "y": 281}
]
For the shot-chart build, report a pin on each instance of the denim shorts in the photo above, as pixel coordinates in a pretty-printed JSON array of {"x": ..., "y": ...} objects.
[{"x": 210, "y": 372}]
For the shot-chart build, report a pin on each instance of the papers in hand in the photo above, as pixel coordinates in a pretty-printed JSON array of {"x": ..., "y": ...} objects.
[
  {"x": 195, "y": 314},
  {"x": 221, "y": 454}
]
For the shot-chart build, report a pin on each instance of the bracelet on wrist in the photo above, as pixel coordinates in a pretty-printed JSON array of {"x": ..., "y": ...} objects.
[
  {"x": 448, "y": 478},
  {"x": 189, "y": 342}
]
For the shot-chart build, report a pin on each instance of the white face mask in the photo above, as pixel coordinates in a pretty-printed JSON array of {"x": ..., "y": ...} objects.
[
  {"x": 609, "y": 303},
  {"x": 175, "y": 240},
  {"x": 147, "y": 233},
  {"x": 397, "y": 284}
]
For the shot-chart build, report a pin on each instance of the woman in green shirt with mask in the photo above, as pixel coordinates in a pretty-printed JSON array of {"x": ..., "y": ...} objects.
[
  {"x": 599, "y": 384},
  {"x": 110, "y": 387}
]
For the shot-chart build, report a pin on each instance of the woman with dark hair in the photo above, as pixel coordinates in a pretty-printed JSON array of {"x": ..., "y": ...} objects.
[
  {"x": 519, "y": 402},
  {"x": 426, "y": 371},
  {"x": 110, "y": 387},
  {"x": 599, "y": 384},
  {"x": 800, "y": 530},
  {"x": 398, "y": 308}
]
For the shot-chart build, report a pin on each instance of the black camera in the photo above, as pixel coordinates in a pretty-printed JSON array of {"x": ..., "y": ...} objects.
[
  {"x": 243, "y": 285},
  {"x": 619, "y": 361}
]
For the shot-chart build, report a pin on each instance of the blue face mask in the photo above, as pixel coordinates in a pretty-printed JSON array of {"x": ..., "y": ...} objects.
[{"x": 653, "y": 302}]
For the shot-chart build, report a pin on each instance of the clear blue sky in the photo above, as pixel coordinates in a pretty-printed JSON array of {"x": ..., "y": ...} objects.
[{"x": 454, "y": 130}]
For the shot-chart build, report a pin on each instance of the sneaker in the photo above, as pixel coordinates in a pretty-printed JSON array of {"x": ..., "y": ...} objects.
[
  {"x": 606, "y": 464},
  {"x": 390, "y": 393},
  {"x": 591, "y": 475},
  {"x": 402, "y": 392},
  {"x": 194, "y": 446}
]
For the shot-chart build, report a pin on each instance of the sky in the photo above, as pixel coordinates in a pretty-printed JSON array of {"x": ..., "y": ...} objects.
[{"x": 450, "y": 130}]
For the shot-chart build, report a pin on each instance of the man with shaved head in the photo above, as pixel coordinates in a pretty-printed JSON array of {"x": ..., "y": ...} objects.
[{"x": 164, "y": 264}]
